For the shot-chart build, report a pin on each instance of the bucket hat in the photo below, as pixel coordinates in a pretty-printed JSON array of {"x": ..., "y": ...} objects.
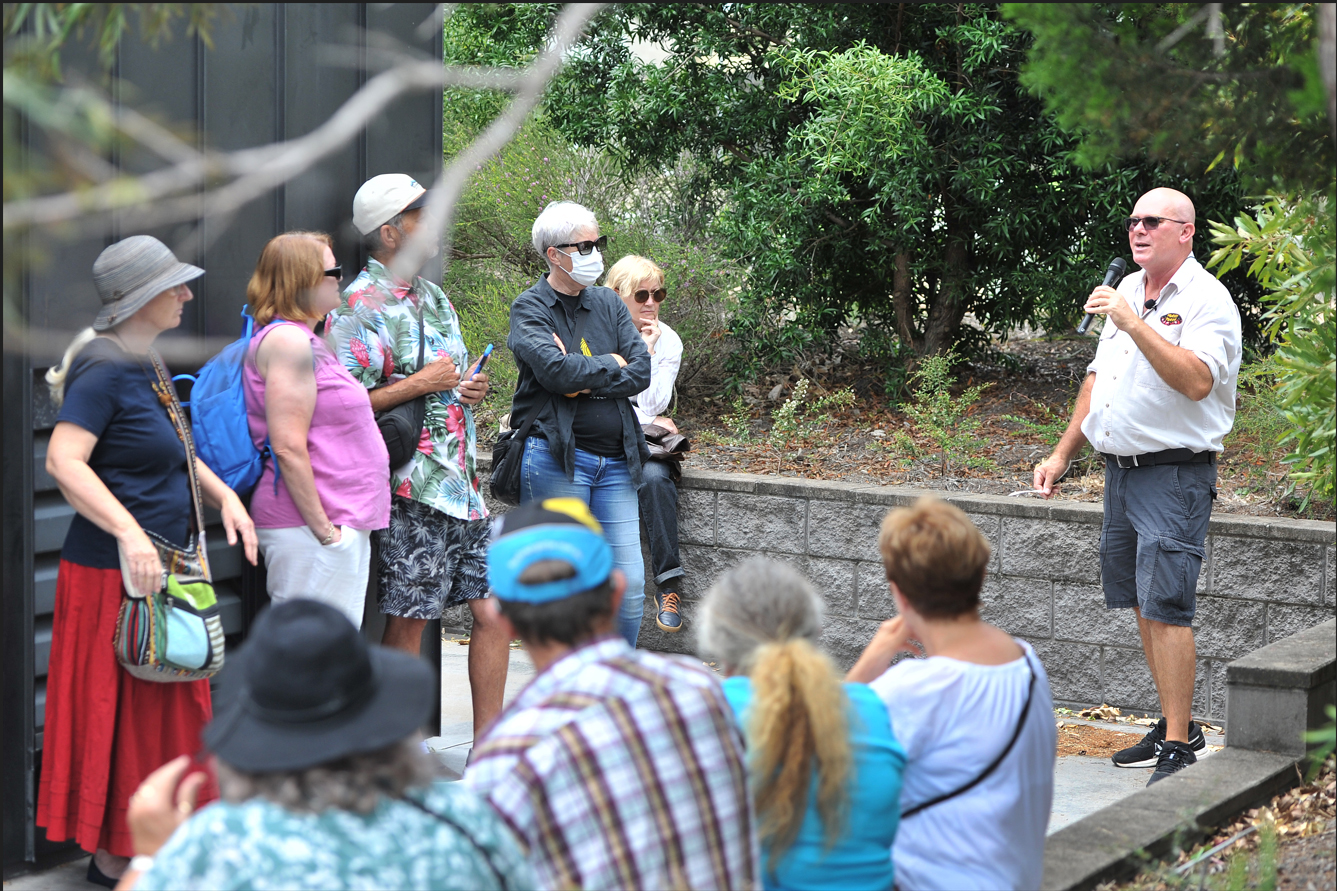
[
  {"x": 381, "y": 197},
  {"x": 133, "y": 271},
  {"x": 306, "y": 689}
]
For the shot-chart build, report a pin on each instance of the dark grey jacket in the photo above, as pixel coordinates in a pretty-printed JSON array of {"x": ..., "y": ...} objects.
[{"x": 544, "y": 371}]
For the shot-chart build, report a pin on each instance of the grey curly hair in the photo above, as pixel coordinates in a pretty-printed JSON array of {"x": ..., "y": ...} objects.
[
  {"x": 758, "y": 601},
  {"x": 355, "y": 783}
]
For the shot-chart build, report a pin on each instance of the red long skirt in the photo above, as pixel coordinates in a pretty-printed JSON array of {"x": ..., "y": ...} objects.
[{"x": 105, "y": 729}]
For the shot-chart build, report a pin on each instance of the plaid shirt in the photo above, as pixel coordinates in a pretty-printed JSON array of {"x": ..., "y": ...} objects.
[{"x": 619, "y": 768}]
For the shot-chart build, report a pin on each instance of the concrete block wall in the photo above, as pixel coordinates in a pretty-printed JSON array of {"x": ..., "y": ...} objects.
[{"x": 1263, "y": 579}]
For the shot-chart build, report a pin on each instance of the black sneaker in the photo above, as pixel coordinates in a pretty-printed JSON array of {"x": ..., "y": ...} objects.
[
  {"x": 1147, "y": 752},
  {"x": 1175, "y": 756},
  {"x": 666, "y": 611}
]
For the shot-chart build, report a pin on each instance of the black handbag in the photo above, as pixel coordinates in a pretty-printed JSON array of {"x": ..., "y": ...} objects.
[
  {"x": 401, "y": 426},
  {"x": 508, "y": 453}
]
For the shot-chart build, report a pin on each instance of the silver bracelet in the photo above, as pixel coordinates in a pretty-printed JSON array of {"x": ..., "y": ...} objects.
[
  {"x": 329, "y": 536},
  {"x": 141, "y": 863}
]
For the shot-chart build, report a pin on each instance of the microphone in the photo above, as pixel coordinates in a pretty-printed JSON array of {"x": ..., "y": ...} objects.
[
  {"x": 1150, "y": 304},
  {"x": 1113, "y": 274}
]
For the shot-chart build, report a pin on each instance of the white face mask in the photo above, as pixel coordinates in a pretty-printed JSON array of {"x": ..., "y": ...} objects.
[{"x": 586, "y": 269}]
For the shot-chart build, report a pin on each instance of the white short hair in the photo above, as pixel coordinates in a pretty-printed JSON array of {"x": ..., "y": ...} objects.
[{"x": 557, "y": 224}]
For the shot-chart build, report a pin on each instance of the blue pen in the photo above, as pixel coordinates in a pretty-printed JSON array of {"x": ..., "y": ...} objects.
[{"x": 482, "y": 360}]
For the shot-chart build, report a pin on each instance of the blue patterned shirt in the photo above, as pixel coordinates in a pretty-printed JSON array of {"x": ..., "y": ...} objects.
[{"x": 258, "y": 844}]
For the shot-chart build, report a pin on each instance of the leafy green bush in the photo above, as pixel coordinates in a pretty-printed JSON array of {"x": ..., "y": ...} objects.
[
  {"x": 1292, "y": 245},
  {"x": 944, "y": 419},
  {"x": 800, "y": 415}
]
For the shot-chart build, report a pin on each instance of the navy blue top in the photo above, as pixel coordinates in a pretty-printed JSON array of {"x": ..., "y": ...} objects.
[
  {"x": 138, "y": 456},
  {"x": 861, "y": 857}
]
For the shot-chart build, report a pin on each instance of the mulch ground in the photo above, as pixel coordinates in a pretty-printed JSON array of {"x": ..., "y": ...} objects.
[
  {"x": 1034, "y": 379},
  {"x": 1098, "y": 742},
  {"x": 1303, "y": 819}
]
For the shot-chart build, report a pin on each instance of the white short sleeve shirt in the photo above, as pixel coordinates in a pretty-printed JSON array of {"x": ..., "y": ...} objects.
[
  {"x": 1133, "y": 410},
  {"x": 953, "y": 718}
]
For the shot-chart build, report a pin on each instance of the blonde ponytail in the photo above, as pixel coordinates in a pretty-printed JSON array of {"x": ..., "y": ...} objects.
[
  {"x": 55, "y": 376},
  {"x": 798, "y": 714}
]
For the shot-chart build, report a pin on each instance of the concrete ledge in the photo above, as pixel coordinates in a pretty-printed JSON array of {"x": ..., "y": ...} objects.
[
  {"x": 1114, "y": 842},
  {"x": 1276, "y": 693}
]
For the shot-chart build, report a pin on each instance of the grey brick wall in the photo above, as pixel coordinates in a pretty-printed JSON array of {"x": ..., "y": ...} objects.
[{"x": 1263, "y": 579}]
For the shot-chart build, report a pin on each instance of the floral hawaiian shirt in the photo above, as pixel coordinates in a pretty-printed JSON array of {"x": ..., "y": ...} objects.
[{"x": 375, "y": 333}]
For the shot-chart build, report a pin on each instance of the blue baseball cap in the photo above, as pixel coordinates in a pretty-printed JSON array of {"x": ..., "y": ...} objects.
[{"x": 561, "y": 529}]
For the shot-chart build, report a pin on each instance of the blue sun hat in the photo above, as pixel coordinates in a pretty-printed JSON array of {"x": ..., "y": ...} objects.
[{"x": 560, "y": 529}]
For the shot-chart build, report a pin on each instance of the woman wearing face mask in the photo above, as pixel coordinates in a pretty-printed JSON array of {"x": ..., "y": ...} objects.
[{"x": 581, "y": 359}]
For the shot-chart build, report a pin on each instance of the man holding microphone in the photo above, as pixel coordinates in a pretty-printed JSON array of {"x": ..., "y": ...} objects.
[{"x": 1157, "y": 401}]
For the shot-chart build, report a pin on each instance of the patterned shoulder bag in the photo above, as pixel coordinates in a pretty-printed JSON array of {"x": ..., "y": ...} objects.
[{"x": 176, "y": 632}]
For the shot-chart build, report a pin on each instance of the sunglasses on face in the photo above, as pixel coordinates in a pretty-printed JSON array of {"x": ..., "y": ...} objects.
[
  {"x": 584, "y": 247},
  {"x": 335, "y": 273},
  {"x": 657, "y": 295},
  {"x": 1151, "y": 224}
]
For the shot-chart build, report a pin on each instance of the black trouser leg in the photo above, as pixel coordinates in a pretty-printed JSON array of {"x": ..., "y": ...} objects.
[{"x": 659, "y": 512}]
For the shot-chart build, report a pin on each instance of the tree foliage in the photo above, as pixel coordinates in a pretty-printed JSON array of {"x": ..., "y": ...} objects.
[
  {"x": 1197, "y": 83},
  {"x": 870, "y": 164},
  {"x": 1293, "y": 247}
]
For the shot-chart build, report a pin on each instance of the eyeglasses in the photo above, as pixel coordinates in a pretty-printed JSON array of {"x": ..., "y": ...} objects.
[
  {"x": 584, "y": 247},
  {"x": 1151, "y": 224},
  {"x": 657, "y": 295},
  {"x": 336, "y": 273}
]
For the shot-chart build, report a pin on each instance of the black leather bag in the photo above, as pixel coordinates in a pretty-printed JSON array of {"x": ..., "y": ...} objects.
[
  {"x": 508, "y": 453},
  {"x": 401, "y": 426}
]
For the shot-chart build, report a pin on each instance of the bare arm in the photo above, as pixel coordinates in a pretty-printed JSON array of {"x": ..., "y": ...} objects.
[
  {"x": 284, "y": 361},
  {"x": 67, "y": 461},
  {"x": 1047, "y": 473},
  {"x": 434, "y": 377},
  {"x": 892, "y": 637},
  {"x": 1178, "y": 367}
]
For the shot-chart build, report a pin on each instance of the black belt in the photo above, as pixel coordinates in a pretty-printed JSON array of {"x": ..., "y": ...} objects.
[{"x": 1169, "y": 456}]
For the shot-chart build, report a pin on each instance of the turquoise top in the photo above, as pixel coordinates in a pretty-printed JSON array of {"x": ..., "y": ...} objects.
[
  {"x": 260, "y": 845},
  {"x": 861, "y": 857}
]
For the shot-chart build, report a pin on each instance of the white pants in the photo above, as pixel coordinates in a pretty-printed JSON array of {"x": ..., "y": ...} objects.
[{"x": 299, "y": 566}]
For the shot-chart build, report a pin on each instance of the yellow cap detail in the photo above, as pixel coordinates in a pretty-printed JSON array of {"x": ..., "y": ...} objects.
[{"x": 575, "y": 509}]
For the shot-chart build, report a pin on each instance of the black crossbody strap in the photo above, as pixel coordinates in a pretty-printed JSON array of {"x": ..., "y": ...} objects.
[
  {"x": 522, "y": 432},
  {"x": 984, "y": 775},
  {"x": 496, "y": 873}
]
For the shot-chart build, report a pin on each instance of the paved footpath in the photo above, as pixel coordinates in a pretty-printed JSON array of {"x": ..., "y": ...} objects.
[{"x": 1082, "y": 784}]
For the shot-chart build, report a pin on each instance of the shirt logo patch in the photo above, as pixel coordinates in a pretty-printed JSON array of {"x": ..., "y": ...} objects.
[{"x": 1172, "y": 318}]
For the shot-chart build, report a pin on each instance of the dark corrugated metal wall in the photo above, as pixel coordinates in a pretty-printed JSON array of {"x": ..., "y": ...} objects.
[{"x": 263, "y": 81}]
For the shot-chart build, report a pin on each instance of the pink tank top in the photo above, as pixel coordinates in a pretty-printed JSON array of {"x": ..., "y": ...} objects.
[{"x": 348, "y": 456}]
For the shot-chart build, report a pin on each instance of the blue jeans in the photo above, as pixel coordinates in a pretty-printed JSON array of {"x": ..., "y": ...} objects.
[{"x": 605, "y": 485}]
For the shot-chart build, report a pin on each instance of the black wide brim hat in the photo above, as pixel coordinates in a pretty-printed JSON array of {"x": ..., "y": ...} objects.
[{"x": 295, "y": 701}]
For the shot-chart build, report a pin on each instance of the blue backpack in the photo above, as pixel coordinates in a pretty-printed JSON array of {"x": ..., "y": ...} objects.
[{"x": 218, "y": 416}]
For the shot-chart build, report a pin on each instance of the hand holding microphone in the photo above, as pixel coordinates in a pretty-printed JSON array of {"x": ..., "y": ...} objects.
[{"x": 1112, "y": 275}]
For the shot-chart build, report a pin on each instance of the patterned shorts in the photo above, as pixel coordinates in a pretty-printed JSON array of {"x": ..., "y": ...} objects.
[{"x": 430, "y": 561}]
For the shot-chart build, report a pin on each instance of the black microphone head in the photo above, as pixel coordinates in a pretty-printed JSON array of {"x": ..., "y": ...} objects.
[
  {"x": 1149, "y": 303},
  {"x": 1117, "y": 266}
]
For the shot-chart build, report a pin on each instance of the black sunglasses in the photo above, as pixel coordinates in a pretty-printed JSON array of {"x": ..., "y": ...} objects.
[
  {"x": 658, "y": 295},
  {"x": 1149, "y": 223},
  {"x": 584, "y": 247},
  {"x": 335, "y": 273}
]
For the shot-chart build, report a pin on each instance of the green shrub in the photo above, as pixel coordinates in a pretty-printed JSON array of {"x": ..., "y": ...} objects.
[
  {"x": 1291, "y": 241},
  {"x": 938, "y": 416}
]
